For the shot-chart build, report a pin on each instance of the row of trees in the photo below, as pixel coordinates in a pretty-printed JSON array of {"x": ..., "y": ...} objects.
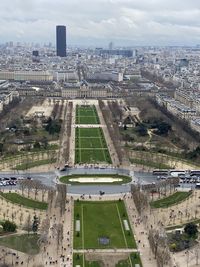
[
  {"x": 156, "y": 234},
  {"x": 113, "y": 130},
  {"x": 68, "y": 132},
  {"x": 157, "y": 239},
  {"x": 140, "y": 198},
  {"x": 116, "y": 110},
  {"x": 189, "y": 135},
  {"x": 159, "y": 246},
  {"x": 162, "y": 187},
  {"x": 33, "y": 186}
]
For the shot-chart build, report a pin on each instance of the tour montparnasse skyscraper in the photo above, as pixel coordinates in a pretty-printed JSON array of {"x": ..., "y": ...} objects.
[{"x": 61, "y": 45}]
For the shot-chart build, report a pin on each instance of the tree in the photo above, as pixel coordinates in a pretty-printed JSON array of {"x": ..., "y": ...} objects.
[
  {"x": 35, "y": 224},
  {"x": 163, "y": 128},
  {"x": 142, "y": 130},
  {"x": 27, "y": 226},
  {"x": 1, "y": 148},
  {"x": 9, "y": 226},
  {"x": 37, "y": 145},
  {"x": 53, "y": 126},
  {"x": 44, "y": 142},
  {"x": 191, "y": 230},
  {"x": 22, "y": 186},
  {"x": 173, "y": 246},
  {"x": 36, "y": 186}
]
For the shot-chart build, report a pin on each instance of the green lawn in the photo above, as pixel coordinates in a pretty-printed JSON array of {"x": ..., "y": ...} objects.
[
  {"x": 86, "y": 115},
  {"x": 90, "y": 146},
  {"x": 170, "y": 200},
  {"x": 25, "y": 243},
  {"x": 89, "y": 132},
  {"x": 32, "y": 164},
  {"x": 27, "y": 202},
  {"x": 102, "y": 219},
  {"x": 92, "y": 142},
  {"x": 65, "y": 179}
]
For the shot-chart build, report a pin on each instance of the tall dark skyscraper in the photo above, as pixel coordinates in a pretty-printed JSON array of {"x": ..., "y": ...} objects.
[{"x": 61, "y": 41}]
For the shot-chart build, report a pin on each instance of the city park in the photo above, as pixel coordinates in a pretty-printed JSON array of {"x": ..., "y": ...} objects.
[{"x": 148, "y": 225}]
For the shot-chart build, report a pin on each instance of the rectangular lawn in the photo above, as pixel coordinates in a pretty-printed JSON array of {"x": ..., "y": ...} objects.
[
  {"x": 91, "y": 146},
  {"x": 86, "y": 115},
  {"x": 100, "y": 220}
]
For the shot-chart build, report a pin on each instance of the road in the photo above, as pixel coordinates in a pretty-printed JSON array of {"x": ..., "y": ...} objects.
[{"x": 49, "y": 178}]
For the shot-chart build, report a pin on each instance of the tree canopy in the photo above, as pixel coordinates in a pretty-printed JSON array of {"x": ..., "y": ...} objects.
[{"x": 191, "y": 229}]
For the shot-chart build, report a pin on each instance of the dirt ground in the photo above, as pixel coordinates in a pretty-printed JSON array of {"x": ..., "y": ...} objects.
[
  {"x": 46, "y": 108},
  {"x": 106, "y": 259}
]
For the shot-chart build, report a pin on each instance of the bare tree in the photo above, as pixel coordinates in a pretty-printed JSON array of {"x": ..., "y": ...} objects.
[
  {"x": 36, "y": 186},
  {"x": 44, "y": 189},
  {"x": 140, "y": 198},
  {"x": 159, "y": 246},
  {"x": 61, "y": 197},
  {"x": 22, "y": 185},
  {"x": 28, "y": 224}
]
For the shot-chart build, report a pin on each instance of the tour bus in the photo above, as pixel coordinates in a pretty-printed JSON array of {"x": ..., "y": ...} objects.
[
  {"x": 176, "y": 173},
  {"x": 195, "y": 172},
  {"x": 197, "y": 185},
  {"x": 160, "y": 172}
]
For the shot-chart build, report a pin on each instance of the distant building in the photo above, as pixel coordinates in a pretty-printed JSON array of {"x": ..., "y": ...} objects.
[
  {"x": 195, "y": 124},
  {"x": 61, "y": 45},
  {"x": 35, "y": 53},
  {"x": 115, "y": 52},
  {"x": 35, "y": 56},
  {"x": 66, "y": 76},
  {"x": 111, "y": 46},
  {"x": 86, "y": 90},
  {"x": 105, "y": 76},
  {"x": 175, "y": 107},
  {"x": 26, "y": 75},
  {"x": 6, "y": 98}
]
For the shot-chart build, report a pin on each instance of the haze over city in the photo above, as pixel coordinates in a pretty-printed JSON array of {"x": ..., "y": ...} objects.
[{"x": 95, "y": 22}]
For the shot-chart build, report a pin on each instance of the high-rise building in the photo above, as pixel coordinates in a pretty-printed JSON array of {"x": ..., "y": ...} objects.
[
  {"x": 61, "y": 41},
  {"x": 111, "y": 45},
  {"x": 35, "y": 56}
]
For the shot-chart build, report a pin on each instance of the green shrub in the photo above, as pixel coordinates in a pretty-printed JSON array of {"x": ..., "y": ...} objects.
[{"x": 9, "y": 226}]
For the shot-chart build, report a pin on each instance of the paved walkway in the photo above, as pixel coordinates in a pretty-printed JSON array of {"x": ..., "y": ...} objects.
[
  {"x": 118, "y": 250},
  {"x": 140, "y": 233}
]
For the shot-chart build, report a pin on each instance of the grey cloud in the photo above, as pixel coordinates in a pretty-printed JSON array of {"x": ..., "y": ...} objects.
[{"x": 99, "y": 21}]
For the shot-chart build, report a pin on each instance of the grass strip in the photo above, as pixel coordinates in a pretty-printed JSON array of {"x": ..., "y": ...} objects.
[
  {"x": 170, "y": 200},
  {"x": 24, "y": 201},
  {"x": 29, "y": 165}
]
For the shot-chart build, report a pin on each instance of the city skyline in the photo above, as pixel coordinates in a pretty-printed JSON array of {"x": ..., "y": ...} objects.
[{"x": 98, "y": 22}]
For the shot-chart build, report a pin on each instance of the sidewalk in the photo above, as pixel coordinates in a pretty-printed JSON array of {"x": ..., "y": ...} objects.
[{"x": 140, "y": 233}]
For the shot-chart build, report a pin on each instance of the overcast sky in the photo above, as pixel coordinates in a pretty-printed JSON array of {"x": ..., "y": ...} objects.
[{"x": 97, "y": 22}]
